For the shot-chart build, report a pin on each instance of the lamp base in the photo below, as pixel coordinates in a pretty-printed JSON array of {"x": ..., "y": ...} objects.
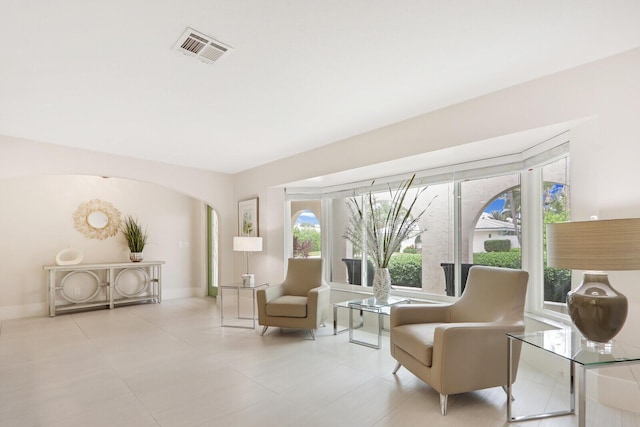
[
  {"x": 248, "y": 280},
  {"x": 596, "y": 309},
  {"x": 598, "y": 347}
]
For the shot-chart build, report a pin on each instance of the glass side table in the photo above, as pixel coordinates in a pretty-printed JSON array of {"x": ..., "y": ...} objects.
[
  {"x": 239, "y": 287},
  {"x": 572, "y": 346},
  {"x": 371, "y": 305}
]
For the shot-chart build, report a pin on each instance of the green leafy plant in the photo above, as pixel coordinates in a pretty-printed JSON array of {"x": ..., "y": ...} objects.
[
  {"x": 309, "y": 236},
  {"x": 134, "y": 234},
  {"x": 384, "y": 225}
]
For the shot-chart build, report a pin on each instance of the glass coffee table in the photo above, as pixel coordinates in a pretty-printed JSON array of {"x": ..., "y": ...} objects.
[
  {"x": 571, "y": 346},
  {"x": 371, "y": 305}
]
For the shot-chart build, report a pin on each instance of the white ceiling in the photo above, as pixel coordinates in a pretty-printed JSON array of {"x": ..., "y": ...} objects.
[{"x": 302, "y": 73}]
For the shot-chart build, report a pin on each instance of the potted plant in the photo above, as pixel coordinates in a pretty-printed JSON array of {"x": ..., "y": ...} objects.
[
  {"x": 135, "y": 236},
  {"x": 382, "y": 226}
]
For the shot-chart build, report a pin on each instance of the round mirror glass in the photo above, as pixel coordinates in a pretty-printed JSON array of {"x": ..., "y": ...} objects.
[{"x": 98, "y": 219}]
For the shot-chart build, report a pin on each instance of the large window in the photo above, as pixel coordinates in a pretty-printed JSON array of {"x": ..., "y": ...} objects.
[{"x": 475, "y": 215}]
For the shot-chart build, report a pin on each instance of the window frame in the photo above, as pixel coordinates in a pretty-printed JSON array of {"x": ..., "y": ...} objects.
[{"x": 528, "y": 164}]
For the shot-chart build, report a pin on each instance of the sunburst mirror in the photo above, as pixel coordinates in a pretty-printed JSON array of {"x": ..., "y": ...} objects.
[{"x": 97, "y": 219}]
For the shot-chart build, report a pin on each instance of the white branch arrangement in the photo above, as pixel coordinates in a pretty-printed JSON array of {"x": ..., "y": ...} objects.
[{"x": 383, "y": 226}]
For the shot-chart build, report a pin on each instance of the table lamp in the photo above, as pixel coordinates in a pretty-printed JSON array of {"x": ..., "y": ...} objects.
[
  {"x": 247, "y": 245},
  {"x": 597, "y": 310}
]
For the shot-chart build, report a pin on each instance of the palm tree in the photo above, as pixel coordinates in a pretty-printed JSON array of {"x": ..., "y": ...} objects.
[
  {"x": 498, "y": 215},
  {"x": 511, "y": 210}
]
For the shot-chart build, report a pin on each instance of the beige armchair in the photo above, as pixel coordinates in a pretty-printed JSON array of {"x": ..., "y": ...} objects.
[
  {"x": 461, "y": 347},
  {"x": 301, "y": 301}
]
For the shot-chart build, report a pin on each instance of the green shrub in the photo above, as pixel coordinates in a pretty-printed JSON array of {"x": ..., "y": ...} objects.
[
  {"x": 511, "y": 259},
  {"x": 557, "y": 282},
  {"x": 406, "y": 270},
  {"x": 497, "y": 245}
]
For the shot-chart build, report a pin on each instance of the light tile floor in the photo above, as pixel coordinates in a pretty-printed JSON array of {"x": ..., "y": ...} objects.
[{"x": 171, "y": 364}]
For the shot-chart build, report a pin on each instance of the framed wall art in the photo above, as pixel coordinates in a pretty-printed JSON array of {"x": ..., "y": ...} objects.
[{"x": 248, "y": 217}]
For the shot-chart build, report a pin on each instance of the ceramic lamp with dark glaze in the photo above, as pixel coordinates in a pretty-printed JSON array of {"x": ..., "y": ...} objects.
[{"x": 596, "y": 308}]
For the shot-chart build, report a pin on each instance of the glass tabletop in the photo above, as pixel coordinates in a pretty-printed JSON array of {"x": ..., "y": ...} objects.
[
  {"x": 571, "y": 345},
  {"x": 372, "y": 303},
  {"x": 241, "y": 286}
]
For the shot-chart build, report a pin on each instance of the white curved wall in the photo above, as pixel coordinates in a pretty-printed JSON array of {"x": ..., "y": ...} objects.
[{"x": 41, "y": 185}]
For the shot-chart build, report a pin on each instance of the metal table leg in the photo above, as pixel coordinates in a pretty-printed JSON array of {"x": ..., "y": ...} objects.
[
  {"x": 351, "y": 328},
  {"x": 582, "y": 395},
  {"x": 570, "y": 411}
]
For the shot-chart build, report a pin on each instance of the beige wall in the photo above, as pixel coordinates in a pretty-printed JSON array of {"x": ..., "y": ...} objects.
[
  {"x": 36, "y": 222},
  {"x": 41, "y": 185}
]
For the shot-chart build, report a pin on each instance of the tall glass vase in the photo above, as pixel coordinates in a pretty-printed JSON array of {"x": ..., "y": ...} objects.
[{"x": 381, "y": 284}]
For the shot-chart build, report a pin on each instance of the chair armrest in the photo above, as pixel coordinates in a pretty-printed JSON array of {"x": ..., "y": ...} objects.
[
  {"x": 318, "y": 303},
  {"x": 263, "y": 296},
  {"x": 473, "y": 355},
  {"x": 270, "y": 293},
  {"x": 463, "y": 339},
  {"x": 465, "y": 330},
  {"x": 403, "y": 314}
]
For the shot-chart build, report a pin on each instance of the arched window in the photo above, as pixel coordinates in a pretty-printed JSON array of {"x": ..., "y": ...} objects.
[{"x": 306, "y": 231}]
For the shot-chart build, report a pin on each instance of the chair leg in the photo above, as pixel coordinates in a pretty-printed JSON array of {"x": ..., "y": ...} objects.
[
  {"x": 504, "y": 387},
  {"x": 398, "y": 365},
  {"x": 443, "y": 403},
  {"x": 313, "y": 335},
  {"x": 263, "y": 330}
]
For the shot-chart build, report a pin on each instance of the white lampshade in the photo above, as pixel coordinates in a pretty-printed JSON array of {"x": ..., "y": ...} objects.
[
  {"x": 247, "y": 244},
  {"x": 607, "y": 245}
]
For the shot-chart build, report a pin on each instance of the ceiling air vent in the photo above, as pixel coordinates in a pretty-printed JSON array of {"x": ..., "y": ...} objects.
[{"x": 205, "y": 48}]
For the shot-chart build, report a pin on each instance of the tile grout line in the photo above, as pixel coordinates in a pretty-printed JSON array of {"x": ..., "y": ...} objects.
[{"x": 115, "y": 370}]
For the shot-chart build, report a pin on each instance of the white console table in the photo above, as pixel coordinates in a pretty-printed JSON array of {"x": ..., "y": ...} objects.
[{"x": 106, "y": 285}]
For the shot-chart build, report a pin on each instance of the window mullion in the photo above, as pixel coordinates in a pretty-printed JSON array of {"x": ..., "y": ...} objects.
[
  {"x": 532, "y": 244},
  {"x": 457, "y": 236}
]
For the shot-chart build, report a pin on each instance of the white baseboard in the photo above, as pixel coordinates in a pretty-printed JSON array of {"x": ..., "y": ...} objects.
[
  {"x": 42, "y": 309},
  {"x": 24, "y": 310},
  {"x": 183, "y": 293}
]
